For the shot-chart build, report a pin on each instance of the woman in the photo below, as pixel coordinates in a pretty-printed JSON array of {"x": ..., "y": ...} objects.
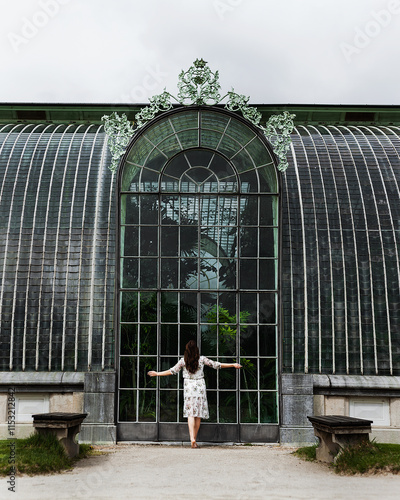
[{"x": 195, "y": 405}]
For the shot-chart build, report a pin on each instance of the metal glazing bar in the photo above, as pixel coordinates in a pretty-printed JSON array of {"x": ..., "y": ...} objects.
[{"x": 303, "y": 231}]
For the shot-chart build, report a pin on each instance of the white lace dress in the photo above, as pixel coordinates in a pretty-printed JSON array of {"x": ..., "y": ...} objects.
[{"x": 194, "y": 388}]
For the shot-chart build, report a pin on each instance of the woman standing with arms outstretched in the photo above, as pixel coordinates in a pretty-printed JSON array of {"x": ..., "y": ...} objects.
[{"x": 195, "y": 406}]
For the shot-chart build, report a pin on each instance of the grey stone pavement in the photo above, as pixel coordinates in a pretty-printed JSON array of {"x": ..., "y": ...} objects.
[{"x": 216, "y": 472}]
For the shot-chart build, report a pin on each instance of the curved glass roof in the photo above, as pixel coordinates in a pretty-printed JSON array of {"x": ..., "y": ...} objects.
[{"x": 340, "y": 279}]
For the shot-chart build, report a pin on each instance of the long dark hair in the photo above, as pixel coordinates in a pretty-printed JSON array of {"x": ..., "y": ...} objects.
[{"x": 191, "y": 356}]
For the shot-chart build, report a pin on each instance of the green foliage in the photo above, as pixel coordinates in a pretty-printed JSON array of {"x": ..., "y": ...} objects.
[
  {"x": 38, "y": 454},
  {"x": 307, "y": 452},
  {"x": 369, "y": 457},
  {"x": 363, "y": 458}
]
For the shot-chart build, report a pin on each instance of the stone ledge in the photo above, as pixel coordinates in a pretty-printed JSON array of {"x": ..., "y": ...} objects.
[
  {"x": 353, "y": 385},
  {"x": 42, "y": 381}
]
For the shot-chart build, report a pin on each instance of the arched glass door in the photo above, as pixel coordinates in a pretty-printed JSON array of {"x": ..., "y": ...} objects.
[{"x": 198, "y": 260}]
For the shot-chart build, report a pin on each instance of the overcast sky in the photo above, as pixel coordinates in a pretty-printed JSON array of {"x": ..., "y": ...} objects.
[{"x": 275, "y": 51}]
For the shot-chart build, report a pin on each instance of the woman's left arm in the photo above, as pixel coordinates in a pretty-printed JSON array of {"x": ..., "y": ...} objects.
[{"x": 231, "y": 365}]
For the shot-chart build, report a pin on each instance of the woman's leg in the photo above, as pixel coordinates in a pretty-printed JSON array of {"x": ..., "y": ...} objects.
[
  {"x": 197, "y": 422},
  {"x": 191, "y": 425}
]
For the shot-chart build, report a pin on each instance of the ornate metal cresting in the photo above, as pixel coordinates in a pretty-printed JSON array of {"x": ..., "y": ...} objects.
[{"x": 200, "y": 86}]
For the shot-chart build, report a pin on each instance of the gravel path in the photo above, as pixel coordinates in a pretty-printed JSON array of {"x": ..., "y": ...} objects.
[{"x": 216, "y": 472}]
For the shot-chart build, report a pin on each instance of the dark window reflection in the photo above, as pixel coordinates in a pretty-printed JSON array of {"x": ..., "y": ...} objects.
[{"x": 129, "y": 339}]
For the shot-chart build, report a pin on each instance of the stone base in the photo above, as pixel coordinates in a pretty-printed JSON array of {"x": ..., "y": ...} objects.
[
  {"x": 98, "y": 434},
  {"x": 297, "y": 436}
]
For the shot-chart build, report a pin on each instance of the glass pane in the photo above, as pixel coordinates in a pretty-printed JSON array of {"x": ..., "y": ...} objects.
[
  {"x": 169, "y": 240},
  {"x": 149, "y": 181},
  {"x": 149, "y": 209},
  {"x": 268, "y": 242},
  {"x": 148, "y": 307},
  {"x": 269, "y": 407},
  {"x": 249, "y": 210},
  {"x": 129, "y": 271},
  {"x": 248, "y": 340},
  {"x": 129, "y": 339},
  {"x": 130, "y": 178},
  {"x": 269, "y": 210},
  {"x": 248, "y": 302},
  {"x": 228, "y": 241},
  {"x": 169, "y": 307},
  {"x": 169, "y": 273},
  {"x": 267, "y": 308},
  {"x": 130, "y": 240},
  {"x": 169, "y": 184},
  {"x": 148, "y": 273},
  {"x": 188, "y": 307},
  {"x": 228, "y": 301},
  {"x": 168, "y": 406},
  {"x": 268, "y": 374},
  {"x": 147, "y": 406},
  {"x": 209, "y": 340},
  {"x": 129, "y": 306},
  {"x": 156, "y": 161},
  {"x": 208, "y": 302},
  {"x": 212, "y": 406},
  {"x": 208, "y": 273},
  {"x": 189, "y": 138},
  {"x": 145, "y": 365},
  {"x": 128, "y": 375},
  {"x": 210, "y": 377},
  {"x": 189, "y": 275},
  {"x": 129, "y": 209},
  {"x": 228, "y": 273},
  {"x": 249, "y": 182},
  {"x": 199, "y": 175},
  {"x": 127, "y": 406},
  {"x": 170, "y": 146},
  {"x": 140, "y": 152},
  {"x": 227, "y": 377},
  {"x": 268, "y": 180},
  {"x": 209, "y": 210},
  {"x": 169, "y": 339},
  {"x": 189, "y": 210},
  {"x": 268, "y": 341},
  {"x": 169, "y": 210},
  {"x": 227, "y": 407},
  {"x": 248, "y": 274},
  {"x": 249, "y": 242},
  {"x": 227, "y": 339},
  {"x": 187, "y": 185},
  {"x": 248, "y": 373},
  {"x": 187, "y": 332},
  {"x": 148, "y": 340},
  {"x": 228, "y": 210},
  {"x": 248, "y": 407},
  {"x": 189, "y": 241},
  {"x": 268, "y": 274},
  {"x": 208, "y": 242},
  {"x": 148, "y": 240},
  {"x": 170, "y": 382}
]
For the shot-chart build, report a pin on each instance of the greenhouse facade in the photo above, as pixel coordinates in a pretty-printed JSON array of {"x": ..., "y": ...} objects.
[{"x": 106, "y": 274}]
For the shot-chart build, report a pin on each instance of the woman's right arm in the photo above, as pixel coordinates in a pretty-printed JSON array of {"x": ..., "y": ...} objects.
[
  {"x": 172, "y": 371},
  {"x": 159, "y": 374}
]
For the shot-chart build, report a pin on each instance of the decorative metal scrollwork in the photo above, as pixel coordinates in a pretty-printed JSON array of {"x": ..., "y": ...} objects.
[{"x": 199, "y": 85}]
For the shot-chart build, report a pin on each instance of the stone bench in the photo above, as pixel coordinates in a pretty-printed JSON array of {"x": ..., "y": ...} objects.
[
  {"x": 336, "y": 432},
  {"x": 65, "y": 426}
]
